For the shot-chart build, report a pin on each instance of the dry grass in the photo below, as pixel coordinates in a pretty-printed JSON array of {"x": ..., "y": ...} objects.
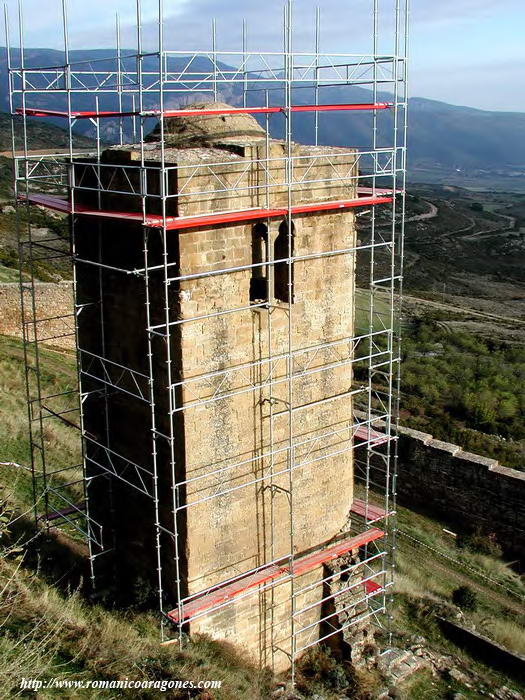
[
  {"x": 496, "y": 569},
  {"x": 44, "y": 634},
  {"x": 424, "y": 578},
  {"x": 504, "y": 631}
]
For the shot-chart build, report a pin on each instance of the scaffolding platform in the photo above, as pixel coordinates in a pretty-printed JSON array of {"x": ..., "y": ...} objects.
[
  {"x": 170, "y": 113},
  {"x": 64, "y": 512},
  {"x": 372, "y": 587},
  {"x": 369, "y": 511},
  {"x": 373, "y": 438},
  {"x": 190, "y": 222},
  {"x": 300, "y": 566}
]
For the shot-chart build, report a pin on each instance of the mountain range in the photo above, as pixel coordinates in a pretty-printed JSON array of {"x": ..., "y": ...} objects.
[{"x": 444, "y": 141}]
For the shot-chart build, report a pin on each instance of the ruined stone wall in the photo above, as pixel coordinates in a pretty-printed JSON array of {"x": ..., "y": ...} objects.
[
  {"x": 467, "y": 490},
  {"x": 54, "y": 301}
]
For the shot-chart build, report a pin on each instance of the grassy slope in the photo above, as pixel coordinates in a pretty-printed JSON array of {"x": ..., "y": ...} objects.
[
  {"x": 58, "y": 375},
  {"x": 48, "y": 632},
  {"x": 433, "y": 571},
  {"x": 431, "y": 563}
]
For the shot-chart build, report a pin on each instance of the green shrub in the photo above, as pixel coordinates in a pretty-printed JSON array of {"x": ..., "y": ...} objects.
[
  {"x": 320, "y": 668},
  {"x": 481, "y": 543},
  {"x": 465, "y": 598}
]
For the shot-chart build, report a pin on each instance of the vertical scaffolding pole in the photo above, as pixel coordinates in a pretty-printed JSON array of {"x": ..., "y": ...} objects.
[
  {"x": 397, "y": 315},
  {"x": 317, "y": 71},
  {"x": 244, "y": 62},
  {"x": 288, "y": 103},
  {"x": 371, "y": 287},
  {"x": 214, "y": 57},
  {"x": 119, "y": 78},
  {"x": 30, "y": 325}
]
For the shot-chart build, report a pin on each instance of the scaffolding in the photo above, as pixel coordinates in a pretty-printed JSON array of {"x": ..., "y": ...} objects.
[{"x": 132, "y": 92}]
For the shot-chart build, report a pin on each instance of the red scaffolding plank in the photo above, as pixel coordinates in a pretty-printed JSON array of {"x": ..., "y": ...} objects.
[
  {"x": 309, "y": 562},
  {"x": 36, "y": 112},
  {"x": 376, "y": 438},
  {"x": 184, "y": 222},
  {"x": 209, "y": 220},
  {"x": 369, "y": 511},
  {"x": 341, "y": 108},
  {"x": 55, "y": 515},
  {"x": 48, "y": 201},
  {"x": 371, "y": 587},
  {"x": 270, "y": 573},
  {"x": 58, "y": 204},
  {"x": 39, "y": 112},
  {"x": 224, "y": 593}
]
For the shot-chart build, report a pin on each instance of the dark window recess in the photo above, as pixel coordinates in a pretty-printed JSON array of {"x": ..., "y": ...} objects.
[
  {"x": 259, "y": 280},
  {"x": 284, "y": 273}
]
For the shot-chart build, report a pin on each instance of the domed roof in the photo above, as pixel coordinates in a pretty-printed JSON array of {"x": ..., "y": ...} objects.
[{"x": 208, "y": 130}]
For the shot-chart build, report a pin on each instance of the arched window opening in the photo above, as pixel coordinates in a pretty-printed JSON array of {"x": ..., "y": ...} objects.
[
  {"x": 259, "y": 279},
  {"x": 284, "y": 272}
]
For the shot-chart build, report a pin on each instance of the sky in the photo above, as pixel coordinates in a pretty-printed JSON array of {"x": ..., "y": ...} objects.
[{"x": 466, "y": 52}]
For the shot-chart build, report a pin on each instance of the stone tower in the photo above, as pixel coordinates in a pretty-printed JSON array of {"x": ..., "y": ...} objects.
[{"x": 248, "y": 458}]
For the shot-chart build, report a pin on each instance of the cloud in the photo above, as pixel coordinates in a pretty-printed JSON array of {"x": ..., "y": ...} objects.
[{"x": 447, "y": 36}]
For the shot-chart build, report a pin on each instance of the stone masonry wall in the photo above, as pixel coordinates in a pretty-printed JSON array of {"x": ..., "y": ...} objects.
[
  {"x": 230, "y": 428},
  {"x": 223, "y": 428},
  {"x": 54, "y": 301},
  {"x": 467, "y": 490}
]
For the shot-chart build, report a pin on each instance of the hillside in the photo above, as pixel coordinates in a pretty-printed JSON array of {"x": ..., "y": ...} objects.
[
  {"x": 464, "y": 146},
  {"x": 41, "y": 135}
]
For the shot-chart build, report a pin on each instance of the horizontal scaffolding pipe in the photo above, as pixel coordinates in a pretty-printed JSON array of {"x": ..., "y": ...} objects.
[
  {"x": 342, "y": 610},
  {"x": 283, "y": 450},
  {"x": 354, "y": 340},
  {"x": 340, "y": 628},
  {"x": 64, "y": 160},
  {"x": 266, "y": 264},
  {"x": 347, "y": 569},
  {"x": 265, "y": 384},
  {"x": 280, "y": 450}
]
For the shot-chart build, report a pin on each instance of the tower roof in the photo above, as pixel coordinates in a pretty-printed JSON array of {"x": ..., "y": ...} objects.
[{"x": 208, "y": 130}]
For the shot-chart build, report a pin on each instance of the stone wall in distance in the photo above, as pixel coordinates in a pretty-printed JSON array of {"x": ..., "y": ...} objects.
[{"x": 54, "y": 301}]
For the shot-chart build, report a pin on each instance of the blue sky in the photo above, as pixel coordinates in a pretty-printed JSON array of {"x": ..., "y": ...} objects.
[{"x": 468, "y": 52}]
